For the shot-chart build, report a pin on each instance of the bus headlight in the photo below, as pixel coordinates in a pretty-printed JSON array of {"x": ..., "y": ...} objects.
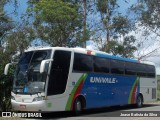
[{"x": 38, "y": 99}]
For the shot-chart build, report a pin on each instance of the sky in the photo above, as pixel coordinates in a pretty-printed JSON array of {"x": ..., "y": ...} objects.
[
  {"x": 20, "y": 9},
  {"x": 22, "y": 6}
]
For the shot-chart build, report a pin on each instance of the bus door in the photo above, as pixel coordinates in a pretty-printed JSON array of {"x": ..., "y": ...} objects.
[{"x": 59, "y": 72}]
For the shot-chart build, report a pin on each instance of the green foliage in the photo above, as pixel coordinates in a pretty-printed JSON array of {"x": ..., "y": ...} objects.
[
  {"x": 57, "y": 22},
  {"x": 5, "y": 89},
  {"x": 151, "y": 16},
  {"x": 124, "y": 49},
  {"x": 59, "y": 10},
  {"x": 121, "y": 25},
  {"x": 107, "y": 9},
  {"x": 115, "y": 26},
  {"x": 103, "y": 5},
  {"x": 6, "y": 26},
  {"x": 147, "y": 12},
  {"x": 21, "y": 38},
  {"x": 147, "y": 17},
  {"x": 5, "y": 81}
]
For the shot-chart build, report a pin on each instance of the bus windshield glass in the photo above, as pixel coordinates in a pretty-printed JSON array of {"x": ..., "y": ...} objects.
[{"x": 27, "y": 77}]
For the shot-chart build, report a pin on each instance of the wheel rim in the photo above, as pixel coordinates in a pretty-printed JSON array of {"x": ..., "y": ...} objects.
[
  {"x": 78, "y": 105},
  {"x": 139, "y": 101}
]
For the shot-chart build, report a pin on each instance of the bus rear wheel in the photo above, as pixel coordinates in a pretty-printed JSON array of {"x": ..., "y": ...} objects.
[
  {"x": 139, "y": 101},
  {"x": 77, "y": 106}
]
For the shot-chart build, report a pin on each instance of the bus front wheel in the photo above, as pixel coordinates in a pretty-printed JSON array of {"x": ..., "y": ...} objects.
[
  {"x": 77, "y": 106},
  {"x": 139, "y": 101}
]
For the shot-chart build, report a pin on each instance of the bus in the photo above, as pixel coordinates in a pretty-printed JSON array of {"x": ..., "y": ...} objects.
[{"x": 74, "y": 79}]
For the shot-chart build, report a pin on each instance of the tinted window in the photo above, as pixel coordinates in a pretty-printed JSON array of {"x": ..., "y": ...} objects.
[
  {"x": 150, "y": 69},
  {"x": 41, "y": 55},
  {"x": 24, "y": 62},
  {"x": 33, "y": 71},
  {"x": 141, "y": 71},
  {"x": 117, "y": 67},
  {"x": 59, "y": 72},
  {"x": 101, "y": 65},
  {"x": 82, "y": 63},
  {"x": 130, "y": 68},
  {"x": 26, "y": 57}
]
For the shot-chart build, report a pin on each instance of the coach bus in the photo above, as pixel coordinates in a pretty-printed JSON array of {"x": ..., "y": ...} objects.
[{"x": 66, "y": 79}]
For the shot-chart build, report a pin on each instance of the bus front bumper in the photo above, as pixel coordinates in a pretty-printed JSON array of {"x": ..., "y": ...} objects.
[{"x": 34, "y": 106}]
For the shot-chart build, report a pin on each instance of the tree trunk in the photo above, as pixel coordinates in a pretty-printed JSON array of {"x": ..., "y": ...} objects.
[
  {"x": 107, "y": 27},
  {"x": 84, "y": 24}
]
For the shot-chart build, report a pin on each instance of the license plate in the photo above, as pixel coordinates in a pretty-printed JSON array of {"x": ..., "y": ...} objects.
[{"x": 23, "y": 106}]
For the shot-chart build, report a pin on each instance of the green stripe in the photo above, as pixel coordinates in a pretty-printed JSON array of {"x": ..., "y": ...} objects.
[
  {"x": 130, "y": 96},
  {"x": 69, "y": 102}
]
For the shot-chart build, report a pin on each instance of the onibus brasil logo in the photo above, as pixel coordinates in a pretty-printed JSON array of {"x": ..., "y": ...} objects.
[{"x": 23, "y": 115}]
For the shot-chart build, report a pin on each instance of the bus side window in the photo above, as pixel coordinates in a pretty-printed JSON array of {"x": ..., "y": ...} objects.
[
  {"x": 141, "y": 71},
  {"x": 130, "y": 68},
  {"x": 117, "y": 66},
  {"x": 150, "y": 71},
  {"x": 82, "y": 63},
  {"x": 101, "y": 65}
]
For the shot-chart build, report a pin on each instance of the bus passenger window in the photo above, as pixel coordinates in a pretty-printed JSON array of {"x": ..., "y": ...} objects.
[
  {"x": 117, "y": 67},
  {"x": 141, "y": 71},
  {"x": 101, "y": 65},
  {"x": 150, "y": 71},
  {"x": 82, "y": 63},
  {"x": 130, "y": 68}
]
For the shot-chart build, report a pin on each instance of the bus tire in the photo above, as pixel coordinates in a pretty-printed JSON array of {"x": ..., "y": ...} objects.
[
  {"x": 139, "y": 101},
  {"x": 77, "y": 106}
]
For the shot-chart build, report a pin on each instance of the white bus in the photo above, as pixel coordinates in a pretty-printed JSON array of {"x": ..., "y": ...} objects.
[{"x": 65, "y": 79}]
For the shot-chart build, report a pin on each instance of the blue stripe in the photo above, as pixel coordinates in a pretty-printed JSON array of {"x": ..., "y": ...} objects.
[
  {"x": 100, "y": 94},
  {"x": 115, "y": 57}
]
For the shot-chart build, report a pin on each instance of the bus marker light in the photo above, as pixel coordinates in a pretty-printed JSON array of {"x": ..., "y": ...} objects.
[{"x": 89, "y": 52}]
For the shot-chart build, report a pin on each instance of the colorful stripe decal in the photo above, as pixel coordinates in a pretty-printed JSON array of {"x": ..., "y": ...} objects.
[
  {"x": 132, "y": 96},
  {"x": 76, "y": 91}
]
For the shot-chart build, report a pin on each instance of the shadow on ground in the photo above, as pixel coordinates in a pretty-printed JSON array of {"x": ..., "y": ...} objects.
[{"x": 94, "y": 112}]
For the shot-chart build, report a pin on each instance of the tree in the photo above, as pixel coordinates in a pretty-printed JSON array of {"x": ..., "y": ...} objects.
[
  {"x": 6, "y": 27},
  {"x": 57, "y": 22},
  {"x": 21, "y": 38},
  {"x": 106, "y": 8},
  {"x": 125, "y": 48},
  {"x": 5, "y": 23},
  {"x": 84, "y": 23},
  {"x": 115, "y": 26},
  {"x": 147, "y": 14}
]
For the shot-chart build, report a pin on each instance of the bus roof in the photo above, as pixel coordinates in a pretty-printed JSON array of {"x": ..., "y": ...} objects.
[
  {"x": 148, "y": 62},
  {"x": 102, "y": 54},
  {"x": 83, "y": 51}
]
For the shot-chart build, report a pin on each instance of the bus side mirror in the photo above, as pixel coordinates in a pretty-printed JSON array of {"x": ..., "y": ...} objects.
[
  {"x": 7, "y": 68},
  {"x": 43, "y": 63}
]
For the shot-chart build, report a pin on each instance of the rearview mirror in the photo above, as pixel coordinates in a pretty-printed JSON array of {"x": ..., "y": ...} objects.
[
  {"x": 43, "y": 63},
  {"x": 7, "y": 68}
]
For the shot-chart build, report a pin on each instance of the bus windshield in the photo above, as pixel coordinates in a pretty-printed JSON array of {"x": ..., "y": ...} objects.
[{"x": 27, "y": 77}]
